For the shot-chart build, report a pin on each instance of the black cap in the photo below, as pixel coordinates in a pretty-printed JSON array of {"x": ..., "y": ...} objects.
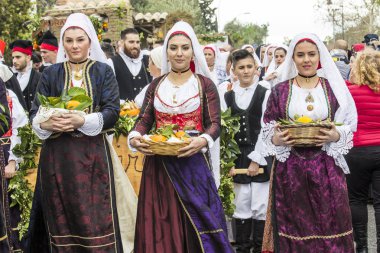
[
  {"x": 23, "y": 46},
  {"x": 370, "y": 37},
  {"x": 48, "y": 41}
]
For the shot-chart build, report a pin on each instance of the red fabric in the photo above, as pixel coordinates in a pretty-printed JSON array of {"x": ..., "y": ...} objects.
[
  {"x": 368, "y": 106},
  {"x": 10, "y": 105},
  {"x": 48, "y": 47},
  {"x": 192, "y": 120},
  {"x": 27, "y": 51},
  {"x": 358, "y": 47},
  {"x": 179, "y": 32},
  {"x": 2, "y": 46}
]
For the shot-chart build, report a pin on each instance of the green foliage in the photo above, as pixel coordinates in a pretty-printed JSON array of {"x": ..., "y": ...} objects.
[
  {"x": 241, "y": 34},
  {"x": 209, "y": 22},
  {"x": 43, "y": 5},
  {"x": 210, "y": 38},
  {"x": 124, "y": 125},
  {"x": 21, "y": 194},
  {"x": 15, "y": 13},
  {"x": 229, "y": 150},
  {"x": 139, "y": 5},
  {"x": 2, "y": 117}
]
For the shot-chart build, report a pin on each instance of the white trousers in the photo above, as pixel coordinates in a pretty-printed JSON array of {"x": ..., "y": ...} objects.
[{"x": 251, "y": 200}]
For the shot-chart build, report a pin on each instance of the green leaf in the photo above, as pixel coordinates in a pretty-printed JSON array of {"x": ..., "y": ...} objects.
[{"x": 76, "y": 91}]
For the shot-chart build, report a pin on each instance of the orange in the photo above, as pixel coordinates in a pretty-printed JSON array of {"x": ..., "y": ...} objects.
[
  {"x": 304, "y": 119},
  {"x": 133, "y": 112},
  {"x": 123, "y": 113},
  {"x": 158, "y": 138},
  {"x": 180, "y": 134},
  {"x": 72, "y": 104}
]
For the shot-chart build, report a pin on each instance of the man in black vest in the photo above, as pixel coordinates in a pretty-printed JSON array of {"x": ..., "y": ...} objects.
[
  {"x": 27, "y": 77},
  {"x": 248, "y": 100},
  {"x": 130, "y": 65}
]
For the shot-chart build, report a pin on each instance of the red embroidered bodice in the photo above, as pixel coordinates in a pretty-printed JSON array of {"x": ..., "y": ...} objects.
[{"x": 191, "y": 120}]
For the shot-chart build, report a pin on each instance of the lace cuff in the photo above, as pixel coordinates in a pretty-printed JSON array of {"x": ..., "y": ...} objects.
[
  {"x": 257, "y": 158},
  {"x": 210, "y": 141},
  {"x": 93, "y": 124},
  {"x": 341, "y": 147},
  {"x": 41, "y": 133},
  {"x": 130, "y": 136},
  {"x": 281, "y": 152}
]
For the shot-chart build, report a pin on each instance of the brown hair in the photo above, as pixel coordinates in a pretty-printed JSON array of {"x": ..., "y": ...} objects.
[{"x": 366, "y": 69}]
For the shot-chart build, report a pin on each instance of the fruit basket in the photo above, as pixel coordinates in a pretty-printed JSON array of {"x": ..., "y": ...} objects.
[
  {"x": 303, "y": 130},
  {"x": 167, "y": 140}
]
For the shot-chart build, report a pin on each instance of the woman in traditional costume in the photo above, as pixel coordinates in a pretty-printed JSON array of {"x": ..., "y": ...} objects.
[
  {"x": 274, "y": 69},
  {"x": 216, "y": 63},
  {"x": 5, "y": 233},
  {"x": 179, "y": 209},
  {"x": 309, "y": 202},
  {"x": 8, "y": 141},
  {"x": 75, "y": 184}
]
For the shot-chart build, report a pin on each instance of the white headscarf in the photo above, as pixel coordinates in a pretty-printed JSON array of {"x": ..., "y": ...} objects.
[
  {"x": 266, "y": 61},
  {"x": 257, "y": 59},
  {"x": 346, "y": 112},
  {"x": 80, "y": 20},
  {"x": 273, "y": 66},
  {"x": 156, "y": 56},
  {"x": 199, "y": 58}
]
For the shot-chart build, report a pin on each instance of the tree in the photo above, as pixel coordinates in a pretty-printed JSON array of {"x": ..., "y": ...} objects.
[
  {"x": 15, "y": 14},
  {"x": 240, "y": 34},
  {"x": 208, "y": 16},
  {"x": 350, "y": 19},
  {"x": 43, "y": 5},
  {"x": 139, "y": 5}
]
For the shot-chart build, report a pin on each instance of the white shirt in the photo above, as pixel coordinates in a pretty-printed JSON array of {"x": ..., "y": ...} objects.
[
  {"x": 134, "y": 65},
  {"x": 298, "y": 105},
  {"x": 23, "y": 78}
]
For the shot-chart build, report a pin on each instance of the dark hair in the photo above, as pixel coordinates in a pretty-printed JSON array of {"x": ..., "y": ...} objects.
[
  {"x": 240, "y": 55},
  {"x": 36, "y": 57},
  {"x": 128, "y": 31},
  {"x": 281, "y": 48}
]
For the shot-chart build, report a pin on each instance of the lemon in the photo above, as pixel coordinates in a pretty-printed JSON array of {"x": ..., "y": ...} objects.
[
  {"x": 72, "y": 104},
  {"x": 304, "y": 119}
]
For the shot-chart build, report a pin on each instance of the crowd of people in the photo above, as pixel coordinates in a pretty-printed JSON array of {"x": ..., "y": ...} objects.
[{"x": 290, "y": 199}]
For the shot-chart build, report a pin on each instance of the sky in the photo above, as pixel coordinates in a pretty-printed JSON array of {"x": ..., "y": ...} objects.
[{"x": 286, "y": 18}]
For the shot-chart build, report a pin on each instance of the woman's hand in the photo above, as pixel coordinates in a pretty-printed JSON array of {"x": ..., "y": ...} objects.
[
  {"x": 140, "y": 146},
  {"x": 327, "y": 136},
  {"x": 196, "y": 144},
  {"x": 76, "y": 121},
  {"x": 56, "y": 124},
  {"x": 232, "y": 172},
  {"x": 253, "y": 169},
  {"x": 10, "y": 169},
  {"x": 281, "y": 138},
  {"x": 271, "y": 76}
]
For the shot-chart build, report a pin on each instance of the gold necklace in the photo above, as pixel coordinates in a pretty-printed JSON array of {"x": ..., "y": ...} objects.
[
  {"x": 309, "y": 98},
  {"x": 78, "y": 73}
]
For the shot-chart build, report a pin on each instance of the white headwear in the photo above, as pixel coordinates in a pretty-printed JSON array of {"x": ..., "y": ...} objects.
[
  {"x": 199, "y": 58},
  {"x": 80, "y": 20},
  {"x": 257, "y": 59},
  {"x": 266, "y": 60},
  {"x": 156, "y": 56},
  {"x": 346, "y": 112}
]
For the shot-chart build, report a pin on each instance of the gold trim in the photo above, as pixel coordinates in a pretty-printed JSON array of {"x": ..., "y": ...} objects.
[
  {"x": 211, "y": 232},
  {"x": 184, "y": 208},
  {"x": 82, "y": 237},
  {"x": 3, "y": 238},
  {"x": 87, "y": 82},
  {"x": 80, "y": 245},
  {"x": 297, "y": 238}
]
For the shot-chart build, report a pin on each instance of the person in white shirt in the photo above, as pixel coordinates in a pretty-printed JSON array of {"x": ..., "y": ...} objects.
[{"x": 248, "y": 100}]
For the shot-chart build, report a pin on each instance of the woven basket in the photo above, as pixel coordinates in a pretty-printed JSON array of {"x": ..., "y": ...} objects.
[
  {"x": 304, "y": 134},
  {"x": 165, "y": 148}
]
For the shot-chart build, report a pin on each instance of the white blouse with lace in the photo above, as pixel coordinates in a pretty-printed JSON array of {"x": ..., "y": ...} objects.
[
  {"x": 93, "y": 122},
  {"x": 298, "y": 105}
]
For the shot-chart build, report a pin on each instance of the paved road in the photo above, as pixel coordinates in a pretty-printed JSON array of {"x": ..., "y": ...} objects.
[{"x": 371, "y": 230}]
